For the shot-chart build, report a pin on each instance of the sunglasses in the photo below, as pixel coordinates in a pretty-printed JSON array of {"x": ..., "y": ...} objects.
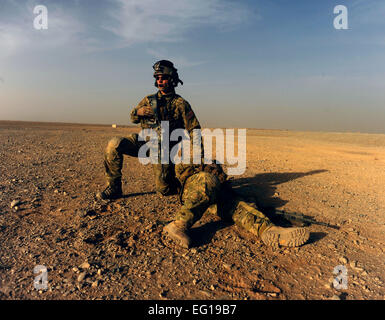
[{"x": 162, "y": 77}]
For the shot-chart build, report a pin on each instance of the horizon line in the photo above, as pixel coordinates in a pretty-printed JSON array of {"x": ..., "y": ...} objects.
[{"x": 211, "y": 127}]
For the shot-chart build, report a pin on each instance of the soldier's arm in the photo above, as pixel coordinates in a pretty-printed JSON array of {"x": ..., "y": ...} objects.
[
  {"x": 141, "y": 110},
  {"x": 191, "y": 123},
  {"x": 189, "y": 118}
]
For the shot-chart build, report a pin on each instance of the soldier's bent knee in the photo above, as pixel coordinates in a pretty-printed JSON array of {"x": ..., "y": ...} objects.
[{"x": 113, "y": 144}]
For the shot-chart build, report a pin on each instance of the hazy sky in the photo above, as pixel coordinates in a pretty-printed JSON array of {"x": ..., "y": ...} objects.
[{"x": 255, "y": 64}]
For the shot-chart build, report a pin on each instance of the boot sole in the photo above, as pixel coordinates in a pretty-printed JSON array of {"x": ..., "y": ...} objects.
[{"x": 293, "y": 237}]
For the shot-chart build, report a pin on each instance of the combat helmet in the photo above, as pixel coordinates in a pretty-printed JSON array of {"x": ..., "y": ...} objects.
[{"x": 167, "y": 67}]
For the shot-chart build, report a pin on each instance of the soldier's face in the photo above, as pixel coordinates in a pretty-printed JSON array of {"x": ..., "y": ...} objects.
[{"x": 163, "y": 82}]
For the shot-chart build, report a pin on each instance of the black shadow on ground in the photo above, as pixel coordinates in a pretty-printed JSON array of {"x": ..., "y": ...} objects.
[
  {"x": 129, "y": 195},
  {"x": 203, "y": 234},
  {"x": 261, "y": 190},
  {"x": 316, "y": 236}
]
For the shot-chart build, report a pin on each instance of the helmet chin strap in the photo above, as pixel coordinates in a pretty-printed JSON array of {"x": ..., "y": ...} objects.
[{"x": 167, "y": 89}]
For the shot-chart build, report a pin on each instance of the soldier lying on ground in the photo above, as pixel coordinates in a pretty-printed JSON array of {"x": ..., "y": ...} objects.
[{"x": 205, "y": 185}]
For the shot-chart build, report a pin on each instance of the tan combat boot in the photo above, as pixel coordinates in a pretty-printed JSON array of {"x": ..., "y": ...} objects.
[
  {"x": 289, "y": 237},
  {"x": 177, "y": 231},
  {"x": 113, "y": 191}
]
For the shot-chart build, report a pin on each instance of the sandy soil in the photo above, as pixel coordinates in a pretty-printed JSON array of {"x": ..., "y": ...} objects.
[{"x": 116, "y": 250}]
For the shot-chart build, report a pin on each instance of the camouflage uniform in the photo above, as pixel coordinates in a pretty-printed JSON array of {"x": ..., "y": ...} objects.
[
  {"x": 205, "y": 186},
  {"x": 172, "y": 108},
  {"x": 203, "y": 189}
]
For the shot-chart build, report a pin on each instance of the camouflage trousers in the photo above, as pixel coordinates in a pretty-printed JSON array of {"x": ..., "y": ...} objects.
[
  {"x": 203, "y": 190},
  {"x": 165, "y": 182}
]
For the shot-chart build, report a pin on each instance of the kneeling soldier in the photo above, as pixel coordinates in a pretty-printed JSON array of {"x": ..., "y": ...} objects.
[{"x": 165, "y": 105}]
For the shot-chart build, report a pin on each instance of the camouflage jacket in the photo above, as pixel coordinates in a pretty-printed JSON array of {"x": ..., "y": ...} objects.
[{"x": 172, "y": 108}]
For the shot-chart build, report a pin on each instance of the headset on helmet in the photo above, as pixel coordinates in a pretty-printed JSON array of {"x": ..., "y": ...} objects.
[{"x": 166, "y": 67}]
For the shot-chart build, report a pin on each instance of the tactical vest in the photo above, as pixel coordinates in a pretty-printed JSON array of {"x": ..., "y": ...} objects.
[{"x": 154, "y": 124}]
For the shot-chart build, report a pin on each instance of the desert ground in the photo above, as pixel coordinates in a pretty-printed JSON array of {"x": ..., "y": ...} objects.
[{"x": 50, "y": 172}]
